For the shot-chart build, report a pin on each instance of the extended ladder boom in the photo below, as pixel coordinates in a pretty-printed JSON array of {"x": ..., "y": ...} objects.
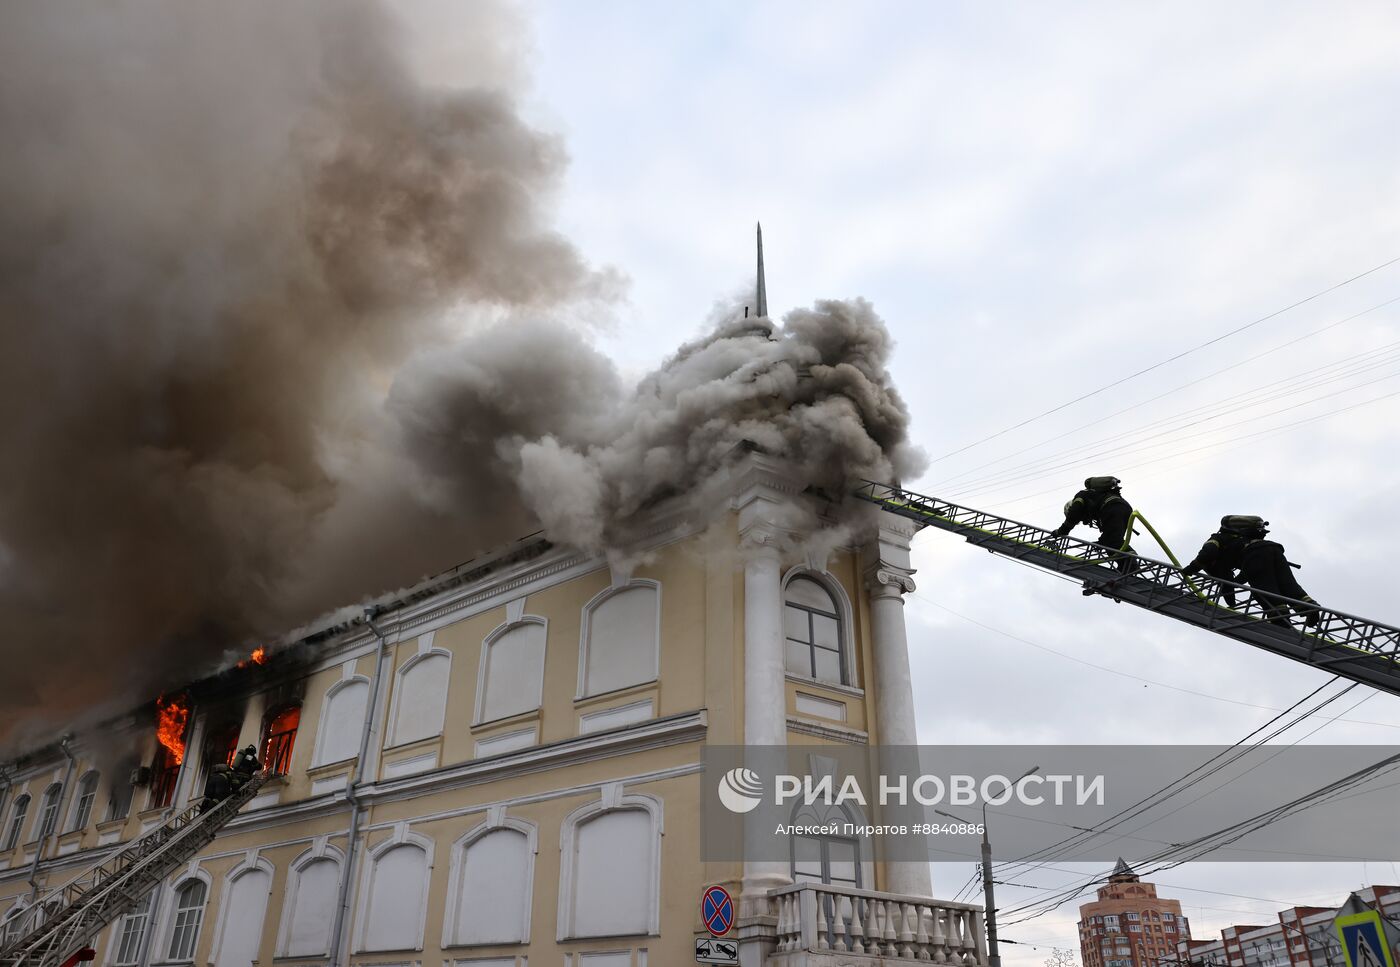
[
  {"x": 1354, "y": 648},
  {"x": 65, "y": 920}
]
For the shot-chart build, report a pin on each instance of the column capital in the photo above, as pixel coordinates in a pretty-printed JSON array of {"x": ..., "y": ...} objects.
[{"x": 884, "y": 580}]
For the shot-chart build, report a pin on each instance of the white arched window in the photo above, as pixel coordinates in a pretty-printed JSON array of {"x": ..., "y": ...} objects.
[
  {"x": 511, "y": 680},
  {"x": 620, "y": 640},
  {"x": 814, "y": 627},
  {"x": 16, "y": 826},
  {"x": 342, "y": 720},
  {"x": 14, "y": 922},
  {"x": 395, "y": 894},
  {"x": 313, "y": 885},
  {"x": 82, "y": 803},
  {"x": 241, "y": 913},
  {"x": 48, "y": 810},
  {"x": 420, "y": 698},
  {"x": 129, "y": 932},
  {"x": 187, "y": 916},
  {"x": 610, "y": 876},
  {"x": 489, "y": 894}
]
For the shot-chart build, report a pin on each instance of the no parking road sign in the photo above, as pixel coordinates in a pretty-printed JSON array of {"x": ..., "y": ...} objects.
[{"x": 717, "y": 910}]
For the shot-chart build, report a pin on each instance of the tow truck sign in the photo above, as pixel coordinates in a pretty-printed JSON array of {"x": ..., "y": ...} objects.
[{"x": 716, "y": 950}]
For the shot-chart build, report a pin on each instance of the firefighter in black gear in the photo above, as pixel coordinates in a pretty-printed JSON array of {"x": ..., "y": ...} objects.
[
  {"x": 1265, "y": 568},
  {"x": 245, "y": 764},
  {"x": 1101, "y": 504},
  {"x": 217, "y": 787},
  {"x": 1222, "y": 555}
]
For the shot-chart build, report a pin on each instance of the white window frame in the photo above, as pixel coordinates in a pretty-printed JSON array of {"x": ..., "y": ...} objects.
[
  {"x": 585, "y": 625},
  {"x": 423, "y": 654},
  {"x": 251, "y": 862},
  {"x": 118, "y": 928},
  {"x": 321, "y": 850},
  {"x": 495, "y": 821},
  {"x": 400, "y": 837},
  {"x": 14, "y": 833},
  {"x": 318, "y": 751},
  {"x": 50, "y": 805},
  {"x": 76, "y": 819},
  {"x": 166, "y": 934},
  {"x": 844, "y": 612},
  {"x": 612, "y": 801},
  {"x": 497, "y": 633}
]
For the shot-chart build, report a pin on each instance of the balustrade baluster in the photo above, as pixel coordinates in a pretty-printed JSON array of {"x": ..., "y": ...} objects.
[
  {"x": 840, "y": 940},
  {"x": 857, "y": 925},
  {"x": 906, "y": 930},
  {"x": 824, "y": 906}
]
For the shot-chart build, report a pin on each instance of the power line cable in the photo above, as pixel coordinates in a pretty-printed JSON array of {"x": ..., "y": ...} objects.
[
  {"x": 1170, "y": 359},
  {"x": 1123, "y": 450},
  {"x": 1290, "y": 385},
  {"x": 1186, "y": 385}
]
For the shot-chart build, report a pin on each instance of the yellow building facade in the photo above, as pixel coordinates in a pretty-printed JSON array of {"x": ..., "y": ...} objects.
[{"x": 503, "y": 767}]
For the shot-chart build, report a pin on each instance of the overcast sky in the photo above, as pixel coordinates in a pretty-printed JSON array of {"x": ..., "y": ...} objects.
[{"x": 1040, "y": 200}]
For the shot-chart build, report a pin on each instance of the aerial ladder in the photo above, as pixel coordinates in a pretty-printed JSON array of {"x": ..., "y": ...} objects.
[
  {"x": 56, "y": 930},
  {"x": 1354, "y": 648}
]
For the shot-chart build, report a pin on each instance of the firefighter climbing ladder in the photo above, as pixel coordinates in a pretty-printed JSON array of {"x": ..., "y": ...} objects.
[
  {"x": 1342, "y": 644},
  {"x": 59, "y": 924}
]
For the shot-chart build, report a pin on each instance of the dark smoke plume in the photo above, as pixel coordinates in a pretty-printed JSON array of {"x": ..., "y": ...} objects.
[{"x": 241, "y": 247}]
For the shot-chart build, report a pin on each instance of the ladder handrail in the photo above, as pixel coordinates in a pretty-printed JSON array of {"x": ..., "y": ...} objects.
[{"x": 1334, "y": 629}]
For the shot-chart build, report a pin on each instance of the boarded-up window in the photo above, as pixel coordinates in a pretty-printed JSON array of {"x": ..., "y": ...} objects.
[
  {"x": 243, "y": 912},
  {"x": 621, "y": 643},
  {"x": 493, "y": 889},
  {"x": 311, "y": 899},
  {"x": 422, "y": 699},
  {"x": 342, "y": 722},
  {"x": 512, "y": 672},
  {"x": 613, "y": 855},
  {"x": 394, "y": 912}
]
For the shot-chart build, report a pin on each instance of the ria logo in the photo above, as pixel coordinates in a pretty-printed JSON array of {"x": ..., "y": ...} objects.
[{"x": 740, "y": 790}]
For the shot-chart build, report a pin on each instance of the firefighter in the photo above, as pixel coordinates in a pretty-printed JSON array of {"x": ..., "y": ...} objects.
[
  {"x": 1223, "y": 553},
  {"x": 1101, "y": 504},
  {"x": 1265, "y": 568},
  {"x": 217, "y": 787},
  {"x": 245, "y": 764}
]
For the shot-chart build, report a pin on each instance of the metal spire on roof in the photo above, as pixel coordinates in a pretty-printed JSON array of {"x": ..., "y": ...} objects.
[{"x": 761, "y": 306}]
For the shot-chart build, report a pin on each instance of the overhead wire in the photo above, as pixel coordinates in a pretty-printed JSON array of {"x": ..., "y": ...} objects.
[
  {"x": 1291, "y": 385},
  {"x": 1221, "y": 443},
  {"x": 1170, "y": 359},
  {"x": 1186, "y": 385}
]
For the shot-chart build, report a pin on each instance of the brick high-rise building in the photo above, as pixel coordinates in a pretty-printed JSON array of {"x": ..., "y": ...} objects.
[{"x": 1129, "y": 925}]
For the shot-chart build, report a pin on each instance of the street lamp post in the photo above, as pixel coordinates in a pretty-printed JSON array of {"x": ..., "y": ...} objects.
[{"x": 988, "y": 897}]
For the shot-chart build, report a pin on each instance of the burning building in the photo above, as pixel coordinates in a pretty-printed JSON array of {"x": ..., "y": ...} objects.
[{"x": 499, "y": 765}]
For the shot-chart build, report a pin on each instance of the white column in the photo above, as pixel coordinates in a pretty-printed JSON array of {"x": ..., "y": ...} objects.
[
  {"x": 765, "y": 689},
  {"x": 888, "y": 577}
]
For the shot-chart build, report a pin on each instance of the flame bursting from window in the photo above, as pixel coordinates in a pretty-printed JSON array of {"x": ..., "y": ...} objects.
[
  {"x": 172, "y": 715},
  {"x": 258, "y": 657}
]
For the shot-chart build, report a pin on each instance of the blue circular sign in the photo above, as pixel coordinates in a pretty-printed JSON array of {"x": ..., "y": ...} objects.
[{"x": 717, "y": 910}]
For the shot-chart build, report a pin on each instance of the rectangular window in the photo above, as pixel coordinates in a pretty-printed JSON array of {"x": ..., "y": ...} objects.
[
  {"x": 1133, "y": 916},
  {"x": 1135, "y": 927}
]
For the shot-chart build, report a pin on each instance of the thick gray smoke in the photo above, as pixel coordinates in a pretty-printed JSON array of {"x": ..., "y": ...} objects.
[{"x": 241, "y": 247}]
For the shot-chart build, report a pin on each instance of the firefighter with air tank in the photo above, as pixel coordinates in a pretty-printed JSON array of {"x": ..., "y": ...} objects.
[{"x": 1240, "y": 545}]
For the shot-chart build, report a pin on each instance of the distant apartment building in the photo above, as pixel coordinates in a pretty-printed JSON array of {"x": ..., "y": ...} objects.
[
  {"x": 1129, "y": 925},
  {"x": 1302, "y": 937}
]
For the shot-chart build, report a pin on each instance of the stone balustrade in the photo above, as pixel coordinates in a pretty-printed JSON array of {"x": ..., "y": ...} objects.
[{"x": 885, "y": 927}]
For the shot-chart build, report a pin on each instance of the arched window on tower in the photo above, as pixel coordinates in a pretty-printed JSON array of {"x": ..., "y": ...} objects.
[
  {"x": 280, "y": 736},
  {"x": 812, "y": 626}
]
